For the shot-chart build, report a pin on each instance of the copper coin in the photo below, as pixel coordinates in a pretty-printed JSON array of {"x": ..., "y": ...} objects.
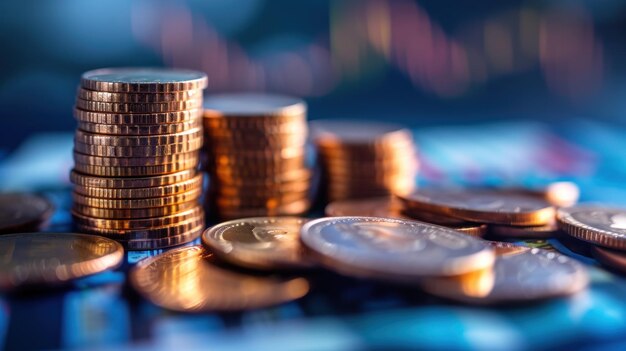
[
  {"x": 132, "y": 213},
  {"x": 36, "y": 259},
  {"x": 137, "y": 223},
  {"x": 259, "y": 242},
  {"x": 243, "y": 105},
  {"x": 143, "y": 80},
  {"x": 135, "y": 141},
  {"x": 21, "y": 211},
  {"x": 611, "y": 258},
  {"x": 599, "y": 225},
  {"x": 138, "y": 151},
  {"x": 165, "y": 242},
  {"x": 137, "y": 203},
  {"x": 529, "y": 275},
  {"x": 138, "y": 129},
  {"x": 259, "y": 202},
  {"x": 329, "y": 133},
  {"x": 486, "y": 206},
  {"x": 549, "y": 230},
  {"x": 135, "y": 161},
  {"x": 136, "y": 171},
  {"x": 125, "y": 183},
  {"x": 189, "y": 280},
  {"x": 140, "y": 119},
  {"x": 161, "y": 107},
  {"x": 469, "y": 228},
  {"x": 384, "y": 206},
  {"x": 262, "y": 190},
  {"x": 194, "y": 183},
  {"x": 293, "y": 209},
  {"x": 393, "y": 249},
  {"x": 144, "y": 98}
]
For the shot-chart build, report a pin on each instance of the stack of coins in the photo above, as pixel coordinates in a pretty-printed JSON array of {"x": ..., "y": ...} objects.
[
  {"x": 136, "y": 153},
  {"x": 365, "y": 159},
  {"x": 256, "y": 155}
]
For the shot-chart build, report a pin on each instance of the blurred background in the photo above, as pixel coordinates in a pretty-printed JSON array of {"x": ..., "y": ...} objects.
[{"x": 417, "y": 62}]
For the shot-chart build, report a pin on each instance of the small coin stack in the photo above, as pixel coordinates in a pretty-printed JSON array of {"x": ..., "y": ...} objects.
[
  {"x": 256, "y": 155},
  {"x": 136, "y": 153},
  {"x": 365, "y": 159}
]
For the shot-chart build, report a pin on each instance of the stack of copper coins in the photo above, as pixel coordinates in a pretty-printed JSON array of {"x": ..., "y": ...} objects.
[
  {"x": 362, "y": 159},
  {"x": 136, "y": 154},
  {"x": 256, "y": 155}
]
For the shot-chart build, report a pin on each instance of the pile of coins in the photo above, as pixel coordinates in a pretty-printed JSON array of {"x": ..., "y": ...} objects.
[
  {"x": 364, "y": 159},
  {"x": 136, "y": 153},
  {"x": 256, "y": 155}
]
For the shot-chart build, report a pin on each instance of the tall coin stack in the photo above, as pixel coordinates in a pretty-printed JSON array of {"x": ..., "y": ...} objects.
[
  {"x": 361, "y": 159},
  {"x": 256, "y": 155},
  {"x": 136, "y": 153}
]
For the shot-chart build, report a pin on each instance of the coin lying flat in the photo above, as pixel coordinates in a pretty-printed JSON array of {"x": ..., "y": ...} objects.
[
  {"x": 549, "y": 230},
  {"x": 33, "y": 259},
  {"x": 604, "y": 226},
  {"x": 127, "y": 183},
  {"x": 393, "y": 249},
  {"x": 130, "y": 213},
  {"x": 144, "y": 98},
  {"x": 135, "y": 193},
  {"x": 143, "y": 80},
  {"x": 469, "y": 228},
  {"x": 611, "y": 258},
  {"x": 525, "y": 275},
  {"x": 259, "y": 243},
  {"x": 23, "y": 212},
  {"x": 190, "y": 195},
  {"x": 140, "y": 119},
  {"x": 482, "y": 205},
  {"x": 252, "y": 105},
  {"x": 189, "y": 280}
]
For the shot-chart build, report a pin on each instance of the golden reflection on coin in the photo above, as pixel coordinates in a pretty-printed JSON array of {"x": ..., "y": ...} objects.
[
  {"x": 259, "y": 242},
  {"x": 393, "y": 249},
  {"x": 189, "y": 280},
  {"x": 38, "y": 259},
  {"x": 23, "y": 212},
  {"x": 517, "y": 276},
  {"x": 482, "y": 205}
]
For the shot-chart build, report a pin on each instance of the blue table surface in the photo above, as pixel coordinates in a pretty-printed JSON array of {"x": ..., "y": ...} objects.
[{"x": 342, "y": 313}]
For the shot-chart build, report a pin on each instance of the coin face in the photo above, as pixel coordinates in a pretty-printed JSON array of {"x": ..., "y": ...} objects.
[
  {"x": 603, "y": 226},
  {"x": 145, "y": 80},
  {"x": 259, "y": 242},
  {"x": 252, "y": 105},
  {"x": 481, "y": 205},
  {"x": 33, "y": 259},
  {"x": 525, "y": 275},
  {"x": 23, "y": 211},
  {"x": 189, "y": 280},
  {"x": 394, "y": 247}
]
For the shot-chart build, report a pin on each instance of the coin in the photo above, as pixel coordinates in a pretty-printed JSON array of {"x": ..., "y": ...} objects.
[
  {"x": 549, "y": 230},
  {"x": 252, "y": 105},
  {"x": 21, "y": 211},
  {"x": 190, "y": 280},
  {"x": 135, "y": 161},
  {"x": 259, "y": 243},
  {"x": 137, "y": 223},
  {"x": 393, "y": 249},
  {"x": 138, "y": 129},
  {"x": 165, "y": 242},
  {"x": 260, "y": 202},
  {"x": 36, "y": 259},
  {"x": 604, "y": 226},
  {"x": 528, "y": 275},
  {"x": 131, "y": 213},
  {"x": 469, "y": 228},
  {"x": 143, "y": 80},
  {"x": 481, "y": 205},
  {"x": 97, "y": 106},
  {"x": 252, "y": 190},
  {"x": 139, "y": 171},
  {"x": 103, "y": 96},
  {"x": 138, "y": 151},
  {"x": 127, "y": 183},
  {"x": 293, "y": 209},
  {"x": 611, "y": 258},
  {"x": 138, "y": 118},
  {"x": 134, "y": 141},
  {"x": 384, "y": 206},
  {"x": 137, "y": 203},
  {"x": 194, "y": 183},
  {"x": 148, "y": 233},
  {"x": 332, "y": 133}
]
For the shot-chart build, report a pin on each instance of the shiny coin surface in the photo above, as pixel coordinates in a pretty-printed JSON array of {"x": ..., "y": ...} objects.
[
  {"x": 604, "y": 226},
  {"x": 393, "y": 249},
  {"x": 137, "y": 118},
  {"x": 104, "y": 96},
  {"x": 142, "y": 140},
  {"x": 469, "y": 228},
  {"x": 23, "y": 212},
  {"x": 138, "y": 129},
  {"x": 195, "y": 213},
  {"x": 190, "y": 195},
  {"x": 252, "y": 105},
  {"x": 611, "y": 258},
  {"x": 138, "y": 151},
  {"x": 164, "y": 242},
  {"x": 337, "y": 132},
  {"x": 480, "y": 205},
  {"x": 525, "y": 275},
  {"x": 131, "y": 213},
  {"x": 135, "y": 161},
  {"x": 259, "y": 243},
  {"x": 143, "y": 80},
  {"x": 189, "y": 280},
  {"x": 162, "y": 107},
  {"x": 549, "y": 230},
  {"x": 137, "y": 171},
  {"x": 145, "y": 182},
  {"x": 37, "y": 259},
  {"x": 138, "y": 193}
]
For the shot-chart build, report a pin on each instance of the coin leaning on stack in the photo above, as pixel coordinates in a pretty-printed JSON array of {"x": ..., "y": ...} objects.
[
  {"x": 256, "y": 155},
  {"x": 136, "y": 153},
  {"x": 365, "y": 159}
]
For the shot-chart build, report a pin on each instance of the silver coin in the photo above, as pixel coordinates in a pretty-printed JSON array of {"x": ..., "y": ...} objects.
[
  {"x": 259, "y": 242},
  {"x": 523, "y": 275},
  {"x": 395, "y": 248},
  {"x": 604, "y": 226}
]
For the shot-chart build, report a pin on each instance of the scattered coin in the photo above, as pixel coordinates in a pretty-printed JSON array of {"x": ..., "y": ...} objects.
[
  {"x": 465, "y": 227},
  {"x": 393, "y": 249},
  {"x": 482, "y": 205},
  {"x": 612, "y": 258},
  {"x": 23, "y": 212},
  {"x": 604, "y": 226},
  {"x": 189, "y": 280},
  {"x": 549, "y": 230},
  {"x": 525, "y": 275},
  {"x": 259, "y": 242},
  {"x": 43, "y": 259}
]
